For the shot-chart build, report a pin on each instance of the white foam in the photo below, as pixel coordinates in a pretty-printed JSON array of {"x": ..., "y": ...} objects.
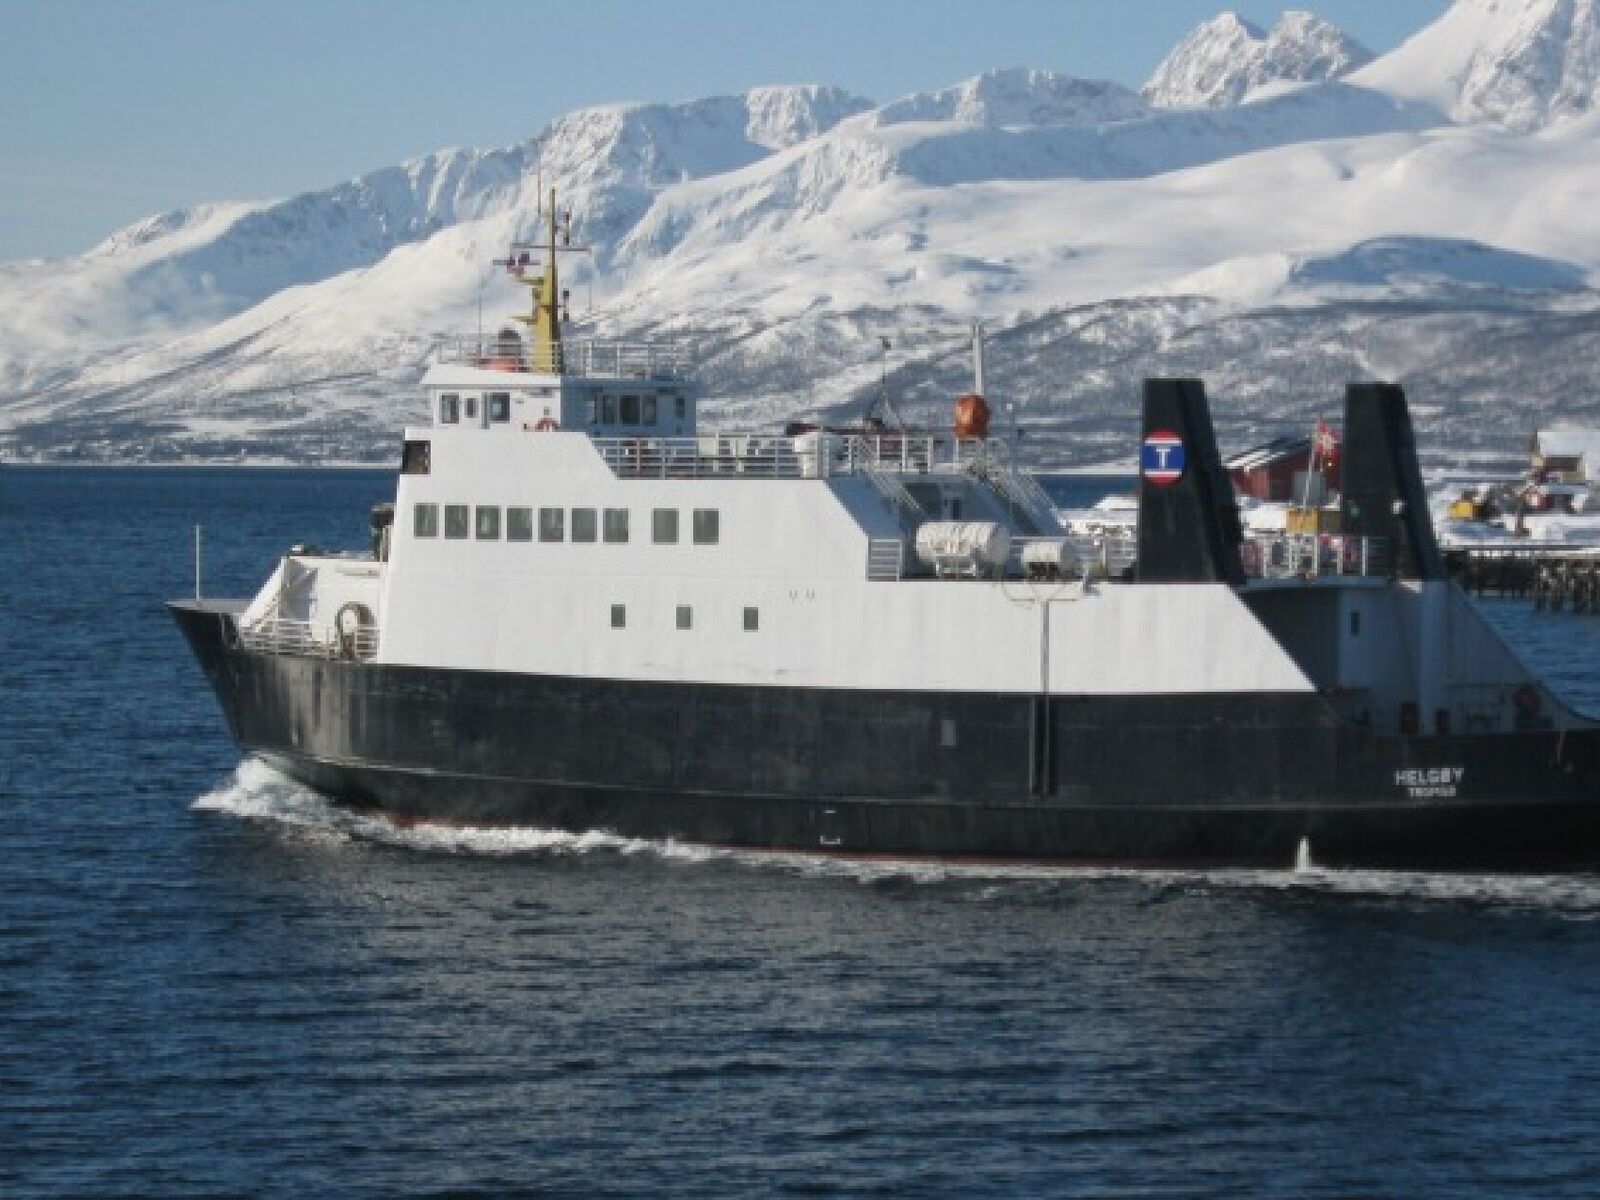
[{"x": 256, "y": 792}]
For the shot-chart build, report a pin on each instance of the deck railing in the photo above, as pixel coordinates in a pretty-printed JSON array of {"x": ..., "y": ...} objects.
[
  {"x": 628, "y": 360},
  {"x": 1314, "y": 557},
  {"x": 808, "y": 456},
  {"x": 282, "y": 635}
]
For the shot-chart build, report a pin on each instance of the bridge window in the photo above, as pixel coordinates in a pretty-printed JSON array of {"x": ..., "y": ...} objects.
[
  {"x": 608, "y": 410},
  {"x": 519, "y": 524},
  {"x": 707, "y": 526},
  {"x": 650, "y": 416},
  {"x": 680, "y": 407},
  {"x": 499, "y": 406},
  {"x": 630, "y": 410},
  {"x": 457, "y": 519},
  {"x": 685, "y": 617},
  {"x": 551, "y": 525},
  {"x": 425, "y": 521},
  {"x": 471, "y": 408},
  {"x": 488, "y": 522},
  {"x": 619, "y": 616},
  {"x": 583, "y": 525},
  {"x": 616, "y": 524},
  {"x": 591, "y": 407},
  {"x": 664, "y": 526},
  {"x": 449, "y": 408},
  {"x": 752, "y": 620}
]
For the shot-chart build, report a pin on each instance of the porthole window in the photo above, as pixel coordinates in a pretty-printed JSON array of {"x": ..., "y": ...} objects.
[
  {"x": 583, "y": 525},
  {"x": 425, "y": 521},
  {"x": 488, "y": 526},
  {"x": 619, "y": 616},
  {"x": 616, "y": 525},
  {"x": 664, "y": 526},
  {"x": 457, "y": 520},
  {"x": 752, "y": 620},
  {"x": 685, "y": 617},
  {"x": 449, "y": 409},
  {"x": 707, "y": 527},
  {"x": 552, "y": 527},
  {"x": 519, "y": 524}
]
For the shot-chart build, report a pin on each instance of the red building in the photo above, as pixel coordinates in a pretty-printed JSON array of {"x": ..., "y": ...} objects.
[
  {"x": 1276, "y": 470},
  {"x": 1268, "y": 471}
]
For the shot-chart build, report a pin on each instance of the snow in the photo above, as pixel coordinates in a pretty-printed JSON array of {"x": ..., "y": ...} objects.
[
  {"x": 1520, "y": 64},
  {"x": 1228, "y": 59},
  {"x": 1333, "y": 226}
]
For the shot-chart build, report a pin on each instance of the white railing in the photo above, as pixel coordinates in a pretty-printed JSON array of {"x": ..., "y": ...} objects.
[
  {"x": 808, "y": 456},
  {"x": 690, "y": 458},
  {"x": 1314, "y": 557},
  {"x": 282, "y": 635},
  {"x": 628, "y": 360}
]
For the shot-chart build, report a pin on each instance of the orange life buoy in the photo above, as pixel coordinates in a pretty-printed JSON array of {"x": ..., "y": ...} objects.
[
  {"x": 546, "y": 425},
  {"x": 972, "y": 417}
]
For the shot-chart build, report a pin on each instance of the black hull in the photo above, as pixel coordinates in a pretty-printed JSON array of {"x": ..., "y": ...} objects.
[{"x": 1138, "y": 780}]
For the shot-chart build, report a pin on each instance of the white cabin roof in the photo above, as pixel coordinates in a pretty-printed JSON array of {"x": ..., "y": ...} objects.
[{"x": 1568, "y": 443}]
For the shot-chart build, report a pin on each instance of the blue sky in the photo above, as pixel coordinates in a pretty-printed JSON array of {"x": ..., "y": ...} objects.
[{"x": 114, "y": 109}]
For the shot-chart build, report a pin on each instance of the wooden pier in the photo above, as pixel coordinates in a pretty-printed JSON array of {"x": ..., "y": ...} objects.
[{"x": 1558, "y": 578}]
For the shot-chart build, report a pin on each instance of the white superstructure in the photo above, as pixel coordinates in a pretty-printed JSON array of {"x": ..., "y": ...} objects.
[{"x": 563, "y": 515}]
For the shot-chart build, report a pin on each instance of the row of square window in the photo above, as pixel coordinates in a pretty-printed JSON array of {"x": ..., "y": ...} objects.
[
  {"x": 602, "y": 410},
  {"x": 484, "y": 523},
  {"x": 619, "y": 617}
]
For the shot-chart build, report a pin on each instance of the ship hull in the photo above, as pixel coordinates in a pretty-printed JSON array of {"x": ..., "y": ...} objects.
[{"x": 1132, "y": 780}]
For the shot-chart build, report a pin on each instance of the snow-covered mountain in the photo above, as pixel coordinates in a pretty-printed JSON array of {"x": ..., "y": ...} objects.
[
  {"x": 1227, "y": 58},
  {"x": 1518, "y": 63},
  {"x": 1377, "y": 224}
]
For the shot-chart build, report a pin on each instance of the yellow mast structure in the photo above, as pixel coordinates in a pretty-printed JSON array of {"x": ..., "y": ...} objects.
[{"x": 548, "y": 299}]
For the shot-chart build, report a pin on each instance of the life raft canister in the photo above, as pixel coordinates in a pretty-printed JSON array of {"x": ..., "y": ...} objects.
[{"x": 972, "y": 416}]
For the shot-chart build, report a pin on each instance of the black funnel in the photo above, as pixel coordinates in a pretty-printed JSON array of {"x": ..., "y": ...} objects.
[
  {"x": 1381, "y": 482},
  {"x": 1188, "y": 520}
]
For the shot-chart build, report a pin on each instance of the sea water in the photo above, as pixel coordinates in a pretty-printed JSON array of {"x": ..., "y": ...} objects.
[{"x": 213, "y": 982}]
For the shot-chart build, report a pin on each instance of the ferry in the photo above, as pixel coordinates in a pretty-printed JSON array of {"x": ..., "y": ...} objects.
[{"x": 584, "y": 612}]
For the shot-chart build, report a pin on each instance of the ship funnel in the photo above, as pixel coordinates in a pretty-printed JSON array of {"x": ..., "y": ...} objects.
[
  {"x": 1188, "y": 522},
  {"x": 1383, "y": 496}
]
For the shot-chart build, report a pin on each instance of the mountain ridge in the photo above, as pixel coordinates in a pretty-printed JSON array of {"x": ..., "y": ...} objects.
[
  {"x": 1227, "y": 58},
  {"x": 785, "y": 228}
]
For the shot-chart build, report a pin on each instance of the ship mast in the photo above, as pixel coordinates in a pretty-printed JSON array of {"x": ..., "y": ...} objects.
[{"x": 549, "y": 302}]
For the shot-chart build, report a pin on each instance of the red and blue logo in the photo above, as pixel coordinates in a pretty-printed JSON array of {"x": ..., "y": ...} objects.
[{"x": 1161, "y": 458}]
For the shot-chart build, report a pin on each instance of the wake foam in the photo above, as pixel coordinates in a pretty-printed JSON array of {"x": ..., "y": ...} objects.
[{"x": 255, "y": 792}]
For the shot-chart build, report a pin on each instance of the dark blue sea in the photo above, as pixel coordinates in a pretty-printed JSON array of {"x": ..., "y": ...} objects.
[{"x": 212, "y": 983}]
